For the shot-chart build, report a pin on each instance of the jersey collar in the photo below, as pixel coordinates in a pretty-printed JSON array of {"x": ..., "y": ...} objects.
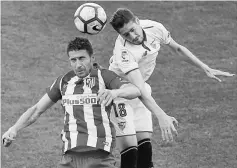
[
  {"x": 144, "y": 36},
  {"x": 144, "y": 40}
]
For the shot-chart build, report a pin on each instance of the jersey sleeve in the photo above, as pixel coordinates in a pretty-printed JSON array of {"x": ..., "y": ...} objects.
[
  {"x": 162, "y": 33},
  {"x": 54, "y": 90},
  {"x": 112, "y": 80},
  {"x": 124, "y": 58}
]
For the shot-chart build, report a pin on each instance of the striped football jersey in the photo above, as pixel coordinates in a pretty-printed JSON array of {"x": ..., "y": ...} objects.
[
  {"x": 86, "y": 123},
  {"x": 127, "y": 57}
]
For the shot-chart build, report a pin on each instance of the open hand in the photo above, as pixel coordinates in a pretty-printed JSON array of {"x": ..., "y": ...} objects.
[
  {"x": 167, "y": 127},
  {"x": 106, "y": 96},
  {"x": 212, "y": 73}
]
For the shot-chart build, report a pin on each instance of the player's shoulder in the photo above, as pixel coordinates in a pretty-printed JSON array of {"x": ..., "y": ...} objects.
[
  {"x": 120, "y": 42},
  {"x": 67, "y": 76},
  {"x": 63, "y": 79},
  {"x": 105, "y": 73}
]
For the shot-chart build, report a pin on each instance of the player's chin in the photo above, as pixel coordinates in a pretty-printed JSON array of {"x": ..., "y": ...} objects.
[
  {"x": 81, "y": 74},
  {"x": 137, "y": 42}
]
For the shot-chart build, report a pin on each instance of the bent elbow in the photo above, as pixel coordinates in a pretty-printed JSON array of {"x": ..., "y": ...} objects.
[
  {"x": 135, "y": 94},
  {"x": 138, "y": 93}
]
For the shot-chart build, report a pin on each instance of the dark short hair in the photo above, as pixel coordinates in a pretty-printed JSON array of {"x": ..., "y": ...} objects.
[
  {"x": 120, "y": 17},
  {"x": 80, "y": 43}
]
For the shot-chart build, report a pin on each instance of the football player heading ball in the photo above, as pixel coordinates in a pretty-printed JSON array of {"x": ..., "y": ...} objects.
[
  {"x": 134, "y": 58},
  {"x": 88, "y": 135}
]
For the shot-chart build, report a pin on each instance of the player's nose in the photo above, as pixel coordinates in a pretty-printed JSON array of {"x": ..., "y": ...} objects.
[
  {"x": 79, "y": 64},
  {"x": 133, "y": 35}
]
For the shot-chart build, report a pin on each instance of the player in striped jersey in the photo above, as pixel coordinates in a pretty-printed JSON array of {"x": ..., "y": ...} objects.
[
  {"x": 134, "y": 58},
  {"x": 88, "y": 135}
]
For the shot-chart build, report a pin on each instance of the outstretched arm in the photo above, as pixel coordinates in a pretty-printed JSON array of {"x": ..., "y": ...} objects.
[
  {"x": 27, "y": 118},
  {"x": 191, "y": 58},
  {"x": 165, "y": 121}
]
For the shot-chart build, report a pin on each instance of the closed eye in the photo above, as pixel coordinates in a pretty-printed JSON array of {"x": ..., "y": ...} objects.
[
  {"x": 79, "y": 58},
  {"x": 126, "y": 34},
  {"x": 73, "y": 59}
]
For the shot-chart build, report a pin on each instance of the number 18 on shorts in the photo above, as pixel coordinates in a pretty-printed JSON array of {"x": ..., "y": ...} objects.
[{"x": 122, "y": 118}]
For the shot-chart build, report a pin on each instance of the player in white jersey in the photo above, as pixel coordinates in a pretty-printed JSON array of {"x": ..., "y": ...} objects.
[
  {"x": 134, "y": 58},
  {"x": 88, "y": 135}
]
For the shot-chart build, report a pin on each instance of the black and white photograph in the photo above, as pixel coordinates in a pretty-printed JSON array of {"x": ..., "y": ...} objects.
[{"x": 118, "y": 84}]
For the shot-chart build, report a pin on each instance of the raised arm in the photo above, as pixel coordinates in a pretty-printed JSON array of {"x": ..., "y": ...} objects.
[{"x": 192, "y": 59}]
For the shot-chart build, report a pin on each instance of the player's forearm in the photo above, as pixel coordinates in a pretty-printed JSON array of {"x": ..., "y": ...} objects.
[
  {"x": 128, "y": 91},
  {"x": 135, "y": 77},
  {"x": 27, "y": 118},
  {"x": 151, "y": 104},
  {"x": 191, "y": 58}
]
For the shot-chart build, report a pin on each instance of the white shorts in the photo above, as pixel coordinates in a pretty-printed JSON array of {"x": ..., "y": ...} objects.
[{"x": 131, "y": 116}]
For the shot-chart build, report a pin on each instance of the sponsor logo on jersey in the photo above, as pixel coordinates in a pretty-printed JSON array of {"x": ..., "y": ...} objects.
[
  {"x": 79, "y": 99},
  {"x": 90, "y": 82}
]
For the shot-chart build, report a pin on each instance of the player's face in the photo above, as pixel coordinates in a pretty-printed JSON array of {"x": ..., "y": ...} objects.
[
  {"x": 81, "y": 62},
  {"x": 132, "y": 32}
]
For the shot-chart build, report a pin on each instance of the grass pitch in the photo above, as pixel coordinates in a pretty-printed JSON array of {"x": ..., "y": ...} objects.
[{"x": 34, "y": 37}]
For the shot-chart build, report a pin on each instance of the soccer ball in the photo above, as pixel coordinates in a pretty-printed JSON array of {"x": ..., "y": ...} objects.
[{"x": 90, "y": 18}]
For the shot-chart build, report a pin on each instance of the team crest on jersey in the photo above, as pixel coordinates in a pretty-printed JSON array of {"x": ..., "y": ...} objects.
[
  {"x": 90, "y": 82},
  {"x": 122, "y": 125}
]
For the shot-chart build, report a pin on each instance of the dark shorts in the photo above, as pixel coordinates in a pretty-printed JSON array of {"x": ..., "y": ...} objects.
[{"x": 89, "y": 159}]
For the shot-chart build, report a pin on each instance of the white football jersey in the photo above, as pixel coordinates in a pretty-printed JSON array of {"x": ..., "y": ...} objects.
[{"x": 127, "y": 57}]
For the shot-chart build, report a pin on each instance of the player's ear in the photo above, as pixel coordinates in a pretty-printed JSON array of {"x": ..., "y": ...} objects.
[
  {"x": 92, "y": 59},
  {"x": 137, "y": 20}
]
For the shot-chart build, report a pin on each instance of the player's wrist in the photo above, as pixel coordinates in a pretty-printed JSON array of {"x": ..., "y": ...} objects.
[
  {"x": 161, "y": 115},
  {"x": 116, "y": 93},
  {"x": 205, "y": 67},
  {"x": 13, "y": 129}
]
